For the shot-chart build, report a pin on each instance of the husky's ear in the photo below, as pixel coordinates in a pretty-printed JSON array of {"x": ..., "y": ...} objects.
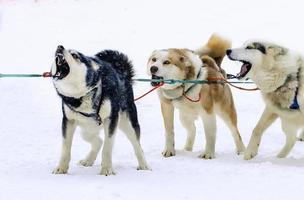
[
  {"x": 277, "y": 50},
  {"x": 185, "y": 60},
  {"x": 189, "y": 69}
]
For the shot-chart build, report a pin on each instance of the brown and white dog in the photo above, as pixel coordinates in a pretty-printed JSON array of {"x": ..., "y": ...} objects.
[{"x": 207, "y": 99}]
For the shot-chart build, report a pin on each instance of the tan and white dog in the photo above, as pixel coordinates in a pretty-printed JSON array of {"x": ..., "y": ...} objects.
[
  {"x": 211, "y": 99},
  {"x": 279, "y": 74}
]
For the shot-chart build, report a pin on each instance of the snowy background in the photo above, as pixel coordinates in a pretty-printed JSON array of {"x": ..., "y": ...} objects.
[{"x": 30, "y": 138}]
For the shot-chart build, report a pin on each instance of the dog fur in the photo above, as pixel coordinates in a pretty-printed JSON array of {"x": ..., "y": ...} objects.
[
  {"x": 278, "y": 73},
  {"x": 96, "y": 93},
  {"x": 215, "y": 98}
]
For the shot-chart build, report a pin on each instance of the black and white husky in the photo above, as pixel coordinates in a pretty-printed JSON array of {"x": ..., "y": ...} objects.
[{"x": 96, "y": 93}]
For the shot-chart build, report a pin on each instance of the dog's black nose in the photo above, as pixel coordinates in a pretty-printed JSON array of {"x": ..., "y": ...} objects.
[
  {"x": 60, "y": 48},
  {"x": 153, "y": 69},
  {"x": 228, "y": 52}
]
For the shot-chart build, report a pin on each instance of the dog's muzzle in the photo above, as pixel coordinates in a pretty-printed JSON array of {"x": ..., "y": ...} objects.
[
  {"x": 156, "y": 83},
  {"x": 246, "y": 66},
  {"x": 62, "y": 67},
  {"x": 59, "y": 56}
]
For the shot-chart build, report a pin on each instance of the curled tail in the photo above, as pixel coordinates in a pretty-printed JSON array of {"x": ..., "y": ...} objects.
[
  {"x": 120, "y": 63},
  {"x": 215, "y": 48},
  {"x": 210, "y": 62}
]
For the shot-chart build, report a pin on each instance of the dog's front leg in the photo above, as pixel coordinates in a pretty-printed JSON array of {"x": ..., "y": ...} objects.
[
  {"x": 265, "y": 121},
  {"x": 167, "y": 109},
  {"x": 187, "y": 120},
  {"x": 68, "y": 129}
]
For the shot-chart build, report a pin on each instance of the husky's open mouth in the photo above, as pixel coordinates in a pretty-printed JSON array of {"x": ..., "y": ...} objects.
[
  {"x": 246, "y": 67},
  {"x": 154, "y": 77},
  {"x": 62, "y": 66}
]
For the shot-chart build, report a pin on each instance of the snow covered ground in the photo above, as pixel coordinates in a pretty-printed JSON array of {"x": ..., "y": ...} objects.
[{"x": 30, "y": 137}]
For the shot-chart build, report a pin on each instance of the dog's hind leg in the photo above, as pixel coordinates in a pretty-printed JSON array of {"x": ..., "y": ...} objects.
[
  {"x": 187, "y": 121},
  {"x": 230, "y": 119},
  {"x": 109, "y": 131},
  {"x": 301, "y": 136},
  {"x": 266, "y": 120},
  {"x": 92, "y": 137},
  {"x": 291, "y": 138},
  {"x": 132, "y": 131},
  {"x": 68, "y": 129},
  {"x": 209, "y": 122}
]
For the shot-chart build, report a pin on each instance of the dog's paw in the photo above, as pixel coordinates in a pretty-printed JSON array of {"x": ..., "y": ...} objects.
[
  {"x": 240, "y": 151},
  {"x": 60, "y": 170},
  {"x": 187, "y": 148},
  {"x": 107, "y": 171},
  {"x": 248, "y": 155},
  {"x": 301, "y": 139},
  {"x": 282, "y": 155},
  {"x": 86, "y": 162},
  {"x": 168, "y": 153},
  {"x": 144, "y": 167},
  {"x": 207, "y": 155}
]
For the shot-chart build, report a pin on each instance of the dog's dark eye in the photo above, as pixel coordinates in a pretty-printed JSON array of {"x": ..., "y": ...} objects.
[
  {"x": 261, "y": 48},
  {"x": 167, "y": 62},
  {"x": 249, "y": 47},
  {"x": 154, "y": 59},
  {"x": 75, "y": 56}
]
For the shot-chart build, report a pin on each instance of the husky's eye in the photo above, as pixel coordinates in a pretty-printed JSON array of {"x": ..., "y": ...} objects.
[
  {"x": 167, "y": 62},
  {"x": 261, "y": 48},
  {"x": 75, "y": 55},
  {"x": 249, "y": 47},
  {"x": 153, "y": 59}
]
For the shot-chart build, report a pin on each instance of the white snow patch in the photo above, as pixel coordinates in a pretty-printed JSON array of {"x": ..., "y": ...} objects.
[{"x": 31, "y": 112}]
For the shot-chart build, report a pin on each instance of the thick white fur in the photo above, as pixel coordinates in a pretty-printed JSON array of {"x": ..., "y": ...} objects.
[{"x": 269, "y": 71}]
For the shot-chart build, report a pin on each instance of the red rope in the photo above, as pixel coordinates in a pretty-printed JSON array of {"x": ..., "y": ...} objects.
[
  {"x": 47, "y": 74},
  {"x": 154, "y": 88},
  {"x": 192, "y": 100}
]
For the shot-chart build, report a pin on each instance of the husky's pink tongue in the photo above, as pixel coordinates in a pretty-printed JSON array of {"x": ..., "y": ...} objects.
[{"x": 244, "y": 70}]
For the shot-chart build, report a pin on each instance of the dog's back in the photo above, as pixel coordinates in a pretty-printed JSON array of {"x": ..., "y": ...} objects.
[{"x": 120, "y": 62}]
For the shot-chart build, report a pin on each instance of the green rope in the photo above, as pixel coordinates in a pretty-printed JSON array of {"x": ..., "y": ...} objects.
[
  {"x": 173, "y": 81},
  {"x": 167, "y": 81},
  {"x": 20, "y": 75}
]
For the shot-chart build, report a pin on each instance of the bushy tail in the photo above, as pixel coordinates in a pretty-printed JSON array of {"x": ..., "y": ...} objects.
[
  {"x": 215, "y": 48},
  {"x": 210, "y": 62},
  {"x": 119, "y": 61}
]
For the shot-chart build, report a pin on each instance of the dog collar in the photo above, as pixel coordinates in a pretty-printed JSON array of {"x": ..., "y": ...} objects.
[
  {"x": 95, "y": 115},
  {"x": 193, "y": 85},
  {"x": 295, "y": 105}
]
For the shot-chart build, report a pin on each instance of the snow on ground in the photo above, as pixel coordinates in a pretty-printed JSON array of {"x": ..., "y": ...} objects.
[{"x": 30, "y": 137}]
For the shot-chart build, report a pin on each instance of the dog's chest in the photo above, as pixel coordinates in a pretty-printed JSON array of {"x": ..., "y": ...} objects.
[
  {"x": 79, "y": 115},
  {"x": 284, "y": 96},
  {"x": 185, "y": 106}
]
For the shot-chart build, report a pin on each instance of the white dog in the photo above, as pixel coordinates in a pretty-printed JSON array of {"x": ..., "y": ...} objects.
[{"x": 278, "y": 72}]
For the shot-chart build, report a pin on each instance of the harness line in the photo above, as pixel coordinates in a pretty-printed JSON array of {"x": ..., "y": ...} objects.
[{"x": 215, "y": 80}]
